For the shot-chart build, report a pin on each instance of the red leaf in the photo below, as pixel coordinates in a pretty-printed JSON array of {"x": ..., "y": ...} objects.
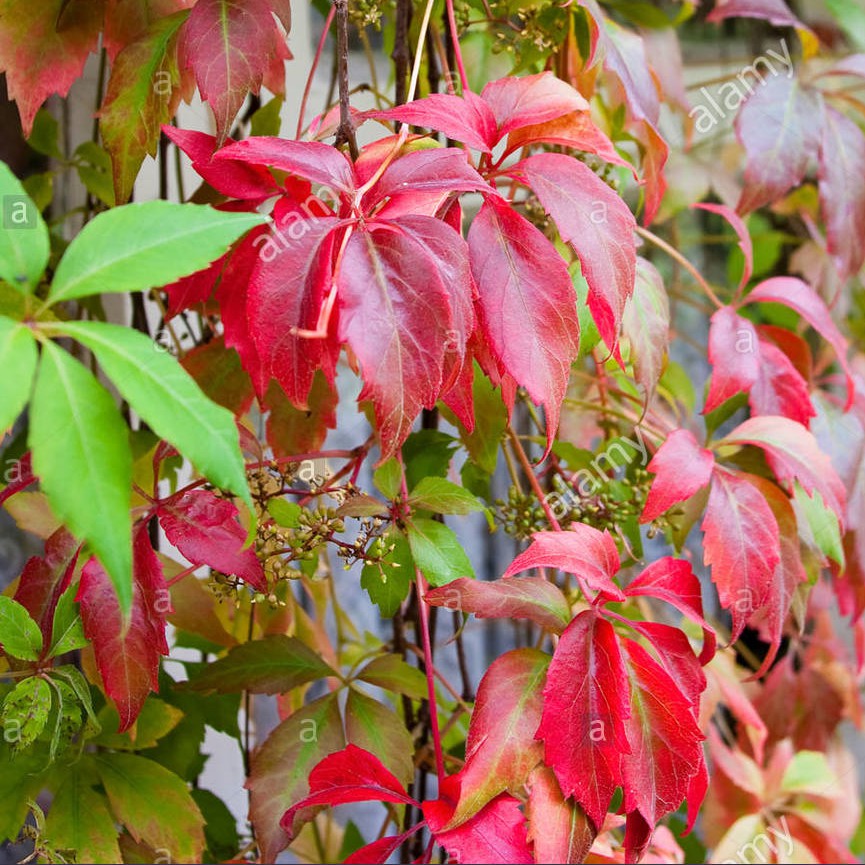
[
  {"x": 380, "y": 851},
  {"x": 780, "y": 389},
  {"x": 234, "y": 179},
  {"x": 741, "y": 543},
  {"x": 581, "y": 550},
  {"x": 739, "y": 227},
  {"x": 532, "y": 598},
  {"x": 532, "y": 99},
  {"x": 44, "y": 579},
  {"x": 312, "y": 160},
  {"x": 350, "y": 775},
  {"x": 218, "y": 372},
  {"x": 468, "y": 118},
  {"x": 778, "y": 125},
  {"x": 206, "y": 530},
  {"x": 734, "y": 355},
  {"x": 585, "y": 709},
  {"x": 597, "y": 224},
  {"x": 798, "y": 295},
  {"x": 842, "y": 191},
  {"x": 194, "y": 289},
  {"x": 681, "y": 469},
  {"x": 287, "y": 287},
  {"x": 793, "y": 454},
  {"x": 127, "y": 654},
  {"x": 291, "y": 430},
  {"x": 43, "y": 48},
  {"x": 559, "y": 830},
  {"x": 231, "y": 47},
  {"x": 674, "y": 581},
  {"x": 666, "y": 750},
  {"x": 517, "y": 268},
  {"x": 395, "y": 314},
  {"x": 496, "y": 835},
  {"x": 501, "y": 750}
]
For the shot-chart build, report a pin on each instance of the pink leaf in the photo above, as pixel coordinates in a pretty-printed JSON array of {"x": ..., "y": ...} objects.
[
  {"x": 778, "y": 125},
  {"x": 206, "y": 530},
  {"x": 674, "y": 581},
  {"x": 599, "y": 226},
  {"x": 350, "y": 775},
  {"x": 468, "y": 118},
  {"x": 681, "y": 469},
  {"x": 586, "y": 706},
  {"x": 793, "y": 454},
  {"x": 842, "y": 191},
  {"x": 532, "y": 99},
  {"x": 395, "y": 314},
  {"x": 230, "y": 47},
  {"x": 527, "y": 304},
  {"x": 798, "y": 295},
  {"x": 581, "y": 550},
  {"x": 532, "y": 598},
  {"x": 127, "y": 653},
  {"x": 379, "y": 852},
  {"x": 497, "y": 835},
  {"x": 738, "y": 226},
  {"x": 734, "y": 355},
  {"x": 741, "y": 543},
  {"x": 774, "y": 11},
  {"x": 312, "y": 160},
  {"x": 780, "y": 389}
]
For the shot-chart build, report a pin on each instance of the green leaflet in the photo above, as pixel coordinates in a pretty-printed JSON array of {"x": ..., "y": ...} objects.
[
  {"x": 139, "y": 246},
  {"x": 24, "y": 245},
  {"x": 168, "y": 399},
  {"x": 18, "y": 358},
  {"x": 19, "y": 634},
  {"x": 81, "y": 455},
  {"x": 437, "y": 552}
]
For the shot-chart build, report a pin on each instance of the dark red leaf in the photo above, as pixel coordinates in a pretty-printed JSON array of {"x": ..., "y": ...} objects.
[
  {"x": 231, "y": 47},
  {"x": 44, "y": 579},
  {"x": 598, "y": 225},
  {"x": 532, "y": 99},
  {"x": 127, "y": 654},
  {"x": 206, "y": 530},
  {"x": 194, "y": 289},
  {"x": 798, "y": 295},
  {"x": 779, "y": 127},
  {"x": 681, "y": 469},
  {"x": 586, "y": 706},
  {"x": 219, "y": 374},
  {"x": 350, "y": 775},
  {"x": 533, "y": 598},
  {"x": 395, "y": 314},
  {"x": 527, "y": 304},
  {"x": 290, "y": 430},
  {"x": 741, "y": 543},
  {"x": 581, "y": 550}
]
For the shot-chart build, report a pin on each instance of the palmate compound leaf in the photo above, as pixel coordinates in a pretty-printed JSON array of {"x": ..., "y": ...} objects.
[
  {"x": 141, "y": 246},
  {"x": 232, "y": 47},
  {"x": 169, "y": 400},
  {"x": 517, "y": 268},
  {"x": 81, "y": 455},
  {"x": 127, "y": 651}
]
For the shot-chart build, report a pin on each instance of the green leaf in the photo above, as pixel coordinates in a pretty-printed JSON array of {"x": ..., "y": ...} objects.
[
  {"x": 67, "y": 632},
  {"x": 25, "y": 712},
  {"x": 21, "y": 779},
  {"x": 80, "y": 819},
  {"x": 220, "y": 826},
  {"x": 379, "y": 730},
  {"x": 822, "y": 523},
  {"x": 808, "y": 772},
  {"x": 393, "y": 674},
  {"x": 20, "y": 636},
  {"x": 156, "y": 720},
  {"x": 18, "y": 357},
  {"x": 437, "y": 552},
  {"x": 169, "y": 400},
  {"x": 851, "y": 19},
  {"x": 273, "y": 665},
  {"x": 281, "y": 767},
  {"x": 267, "y": 120},
  {"x": 45, "y": 135},
  {"x": 388, "y": 581},
  {"x": 490, "y": 422},
  {"x": 141, "y": 246},
  {"x": 154, "y": 805},
  {"x": 443, "y": 497},
  {"x": 67, "y": 717},
  {"x": 285, "y": 513},
  {"x": 93, "y": 165},
  {"x": 387, "y": 478},
  {"x": 76, "y": 681},
  {"x": 24, "y": 244},
  {"x": 426, "y": 453},
  {"x": 81, "y": 455}
]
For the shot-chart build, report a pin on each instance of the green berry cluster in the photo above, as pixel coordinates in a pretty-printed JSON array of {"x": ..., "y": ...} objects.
[
  {"x": 521, "y": 515},
  {"x": 366, "y": 13}
]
